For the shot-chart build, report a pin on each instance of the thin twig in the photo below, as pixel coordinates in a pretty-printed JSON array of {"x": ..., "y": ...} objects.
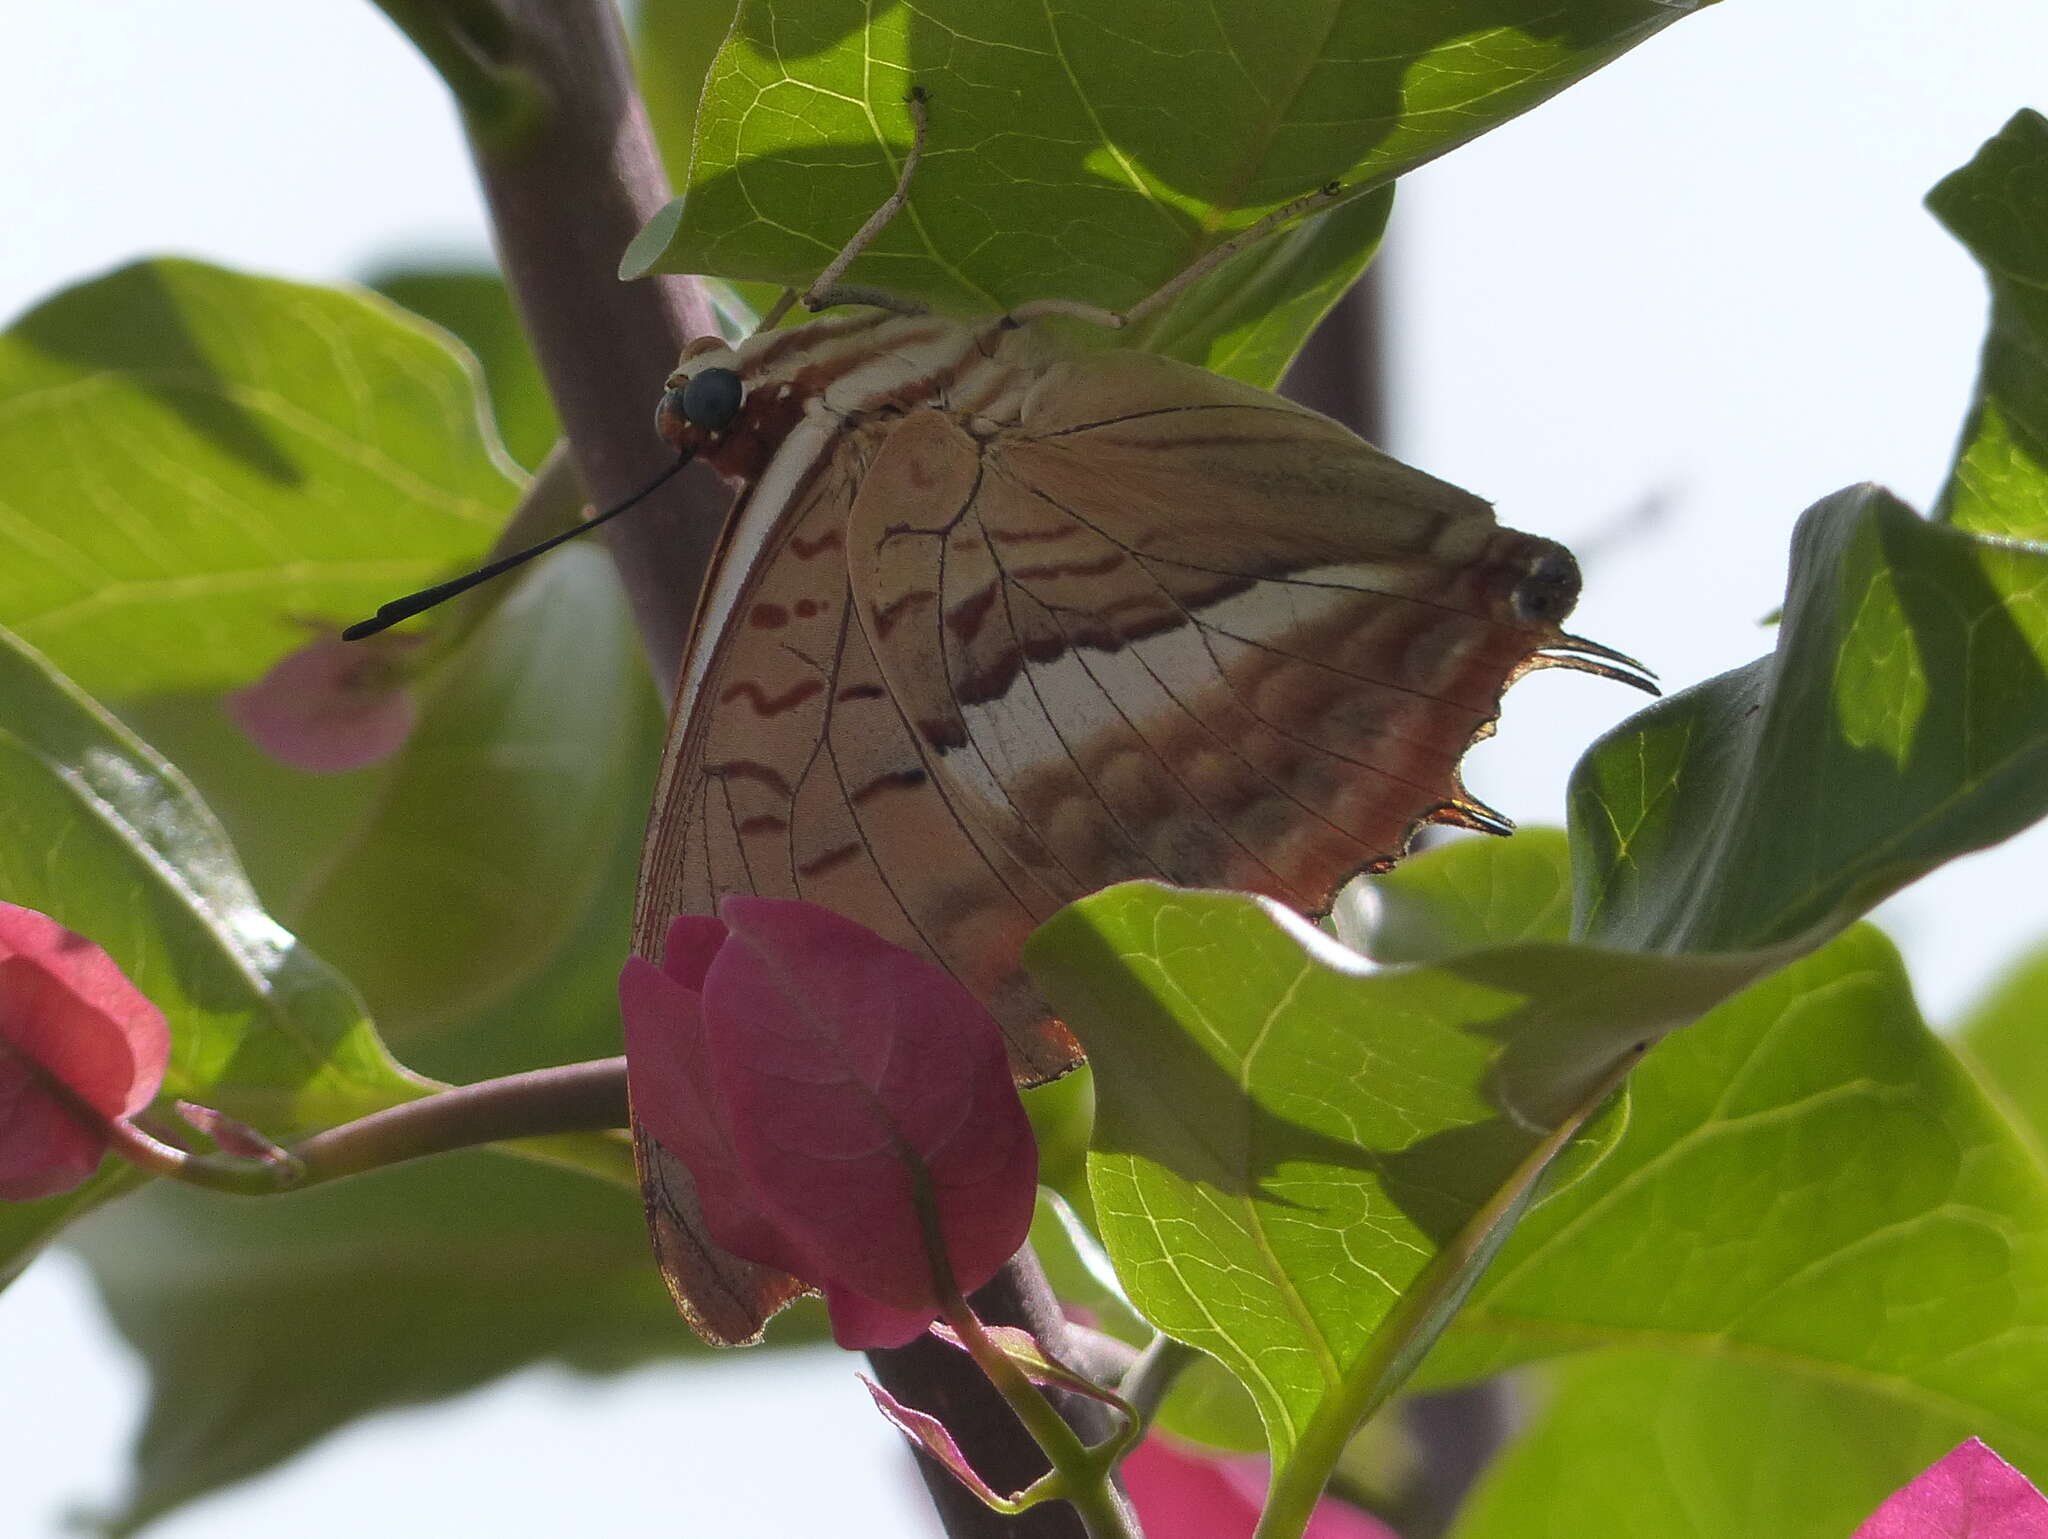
[{"x": 575, "y": 1098}]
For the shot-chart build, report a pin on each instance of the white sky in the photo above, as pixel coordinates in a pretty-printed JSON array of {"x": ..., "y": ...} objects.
[{"x": 1702, "y": 277}]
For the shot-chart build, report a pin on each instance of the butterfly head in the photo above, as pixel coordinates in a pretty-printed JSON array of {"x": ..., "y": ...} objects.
[{"x": 702, "y": 398}]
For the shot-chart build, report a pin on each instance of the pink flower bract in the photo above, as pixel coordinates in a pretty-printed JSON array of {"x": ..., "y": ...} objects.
[
  {"x": 71, "y": 1026},
  {"x": 1189, "y": 1496},
  {"x": 332, "y": 705},
  {"x": 815, "y": 1079},
  {"x": 1968, "y": 1493}
]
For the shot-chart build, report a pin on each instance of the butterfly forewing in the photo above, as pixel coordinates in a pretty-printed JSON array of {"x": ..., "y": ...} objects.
[{"x": 796, "y": 774}]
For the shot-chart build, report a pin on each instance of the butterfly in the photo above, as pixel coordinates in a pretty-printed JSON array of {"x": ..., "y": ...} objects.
[{"x": 996, "y": 621}]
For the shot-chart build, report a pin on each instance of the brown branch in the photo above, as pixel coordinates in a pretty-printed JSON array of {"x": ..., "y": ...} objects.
[
  {"x": 1341, "y": 370},
  {"x": 565, "y": 196}
]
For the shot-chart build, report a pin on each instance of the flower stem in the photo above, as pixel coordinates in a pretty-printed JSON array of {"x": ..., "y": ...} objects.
[{"x": 1080, "y": 1474}]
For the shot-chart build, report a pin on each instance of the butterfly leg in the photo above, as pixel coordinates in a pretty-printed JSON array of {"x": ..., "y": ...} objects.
[
  {"x": 825, "y": 290},
  {"x": 1193, "y": 273}
]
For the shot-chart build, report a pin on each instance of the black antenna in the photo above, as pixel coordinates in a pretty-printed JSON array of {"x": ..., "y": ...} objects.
[{"x": 390, "y": 614}]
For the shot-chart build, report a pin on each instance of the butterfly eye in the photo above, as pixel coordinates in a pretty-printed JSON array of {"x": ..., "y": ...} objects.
[
  {"x": 712, "y": 398},
  {"x": 668, "y": 415},
  {"x": 1549, "y": 589}
]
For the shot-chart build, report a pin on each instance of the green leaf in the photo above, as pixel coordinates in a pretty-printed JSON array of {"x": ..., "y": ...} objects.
[
  {"x": 1283, "y": 1184},
  {"x": 2003, "y": 1039},
  {"x": 1813, "y": 1196},
  {"x": 474, "y": 305},
  {"x": 567, "y": 1008},
  {"x": 1062, "y": 1112},
  {"x": 190, "y": 457},
  {"x": 1300, "y": 1164},
  {"x": 1997, "y": 205},
  {"x": 1205, "y": 1403},
  {"x": 500, "y": 856},
  {"x": 1462, "y": 896},
  {"x": 268, "y": 1323},
  {"x": 1063, "y": 160},
  {"x": 109, "y": 839},
  {"x": 1633, "y": 1443},
  {"x": 1902, "y": 721},
  {"x": 1290, "y": 1149},
  {"x": 674, "y": 42},
  {"x": 1251, "y": 316},
  {"x": 447, "y": 880},
  {"x": 1807, "y": 1180}
]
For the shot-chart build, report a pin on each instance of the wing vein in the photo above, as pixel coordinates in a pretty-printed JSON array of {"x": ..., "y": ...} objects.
[{"x": 1024, "y": 671}]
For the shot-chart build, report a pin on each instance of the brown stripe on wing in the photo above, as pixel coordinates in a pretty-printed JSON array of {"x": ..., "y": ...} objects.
[
  {"x": 1134, "y": 798},
  {"x": 1221, "y": 776},
  {"x": 866, "y": 360},
  {"x": 868, "y": 818}
]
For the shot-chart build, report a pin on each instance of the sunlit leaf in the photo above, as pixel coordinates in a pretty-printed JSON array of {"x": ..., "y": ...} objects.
[
  {"x": 1902, "y": 720},
  {"x": 1813, "y": 1195},
  {"x": 2004, "y": 1038},
  {"x": 1463, "y": 896},
  {"x": 492, "y": 830},
  {"x": 189, "y": 457},
  {"x": 474, "y": 305},
  {"x": 517, "y": 804},
  {"x": 1064, "y": 162},
  {"x": 295, "y": 451},
  {"x": 1289, "y": 1146}
]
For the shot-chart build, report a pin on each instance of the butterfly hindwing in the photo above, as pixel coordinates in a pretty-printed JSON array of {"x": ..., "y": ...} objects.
[{"x": 1168, "y": 626}]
